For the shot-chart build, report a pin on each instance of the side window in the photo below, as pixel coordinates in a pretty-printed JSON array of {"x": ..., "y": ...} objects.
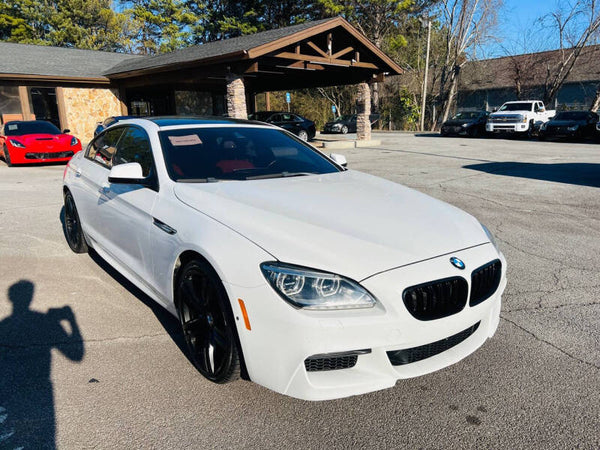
[
  {"x": 103, "y": 148},
  {"x": 275, "y": 118},
  {"x": 286, "y": 117},
  {"x": 134, "y": 146},
  {"x": 297, "y": 118}
]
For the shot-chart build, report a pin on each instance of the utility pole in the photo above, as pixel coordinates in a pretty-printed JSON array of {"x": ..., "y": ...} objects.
[{"x": 423, "y": 103}]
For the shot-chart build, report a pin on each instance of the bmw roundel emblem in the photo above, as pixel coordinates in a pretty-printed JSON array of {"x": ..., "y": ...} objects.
[{"x": 458, "y": 263}]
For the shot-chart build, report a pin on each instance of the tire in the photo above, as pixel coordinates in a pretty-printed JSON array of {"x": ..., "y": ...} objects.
[
  {"x": 303, "y": 134},
  {"x": 530, "y": 132},
  {"x": 207, "y": 322},
  {"x": 7, "y": 157},
  {"x": 344, "y": 129},
  {"x": 474, "y": 132},
  {"x": 72, "y": 226}
]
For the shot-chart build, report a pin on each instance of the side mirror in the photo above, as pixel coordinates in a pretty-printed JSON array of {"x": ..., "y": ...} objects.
[
  {"x": 129, "y": 173},
  {"x": 66, "y": 130},
  {"x": 340, "y": 160}
]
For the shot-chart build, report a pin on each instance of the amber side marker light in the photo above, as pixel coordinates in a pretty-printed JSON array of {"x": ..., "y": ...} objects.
[{"x": 244, "y": 313}]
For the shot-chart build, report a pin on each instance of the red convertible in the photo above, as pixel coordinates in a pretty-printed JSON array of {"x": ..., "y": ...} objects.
[{"x": 36, "y": 141}]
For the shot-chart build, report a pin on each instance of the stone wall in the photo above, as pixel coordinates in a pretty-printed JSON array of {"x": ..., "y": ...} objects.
[{"x": 85, "y": 107}]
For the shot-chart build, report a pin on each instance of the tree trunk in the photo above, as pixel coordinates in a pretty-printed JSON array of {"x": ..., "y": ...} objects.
[{"x": 451, "y": 94}]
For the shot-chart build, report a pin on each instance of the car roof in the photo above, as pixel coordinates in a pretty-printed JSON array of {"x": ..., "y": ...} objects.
[
  {"x": 28, "y": 121},
  {"x": 190, "y": 121}
]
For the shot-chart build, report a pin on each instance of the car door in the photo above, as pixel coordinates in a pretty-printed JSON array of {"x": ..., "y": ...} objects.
[
  {"x": 125, "y": 210},
  {"x": 91, "y": 171},
  {"x": 289, "y": 123}
]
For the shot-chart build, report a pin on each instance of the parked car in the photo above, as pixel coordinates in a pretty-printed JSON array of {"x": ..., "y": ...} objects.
[
  {"x": 101, "y": 126},
  {"x": 280, "y": 264},
  {"x": 570, "y": 124},
  {"x": 465, "y": 123},
  {"x": 520, "y": 117},
  {"x": 346, "y": 124},
  {"x": 36, "y": 141},
  {"x": 302, "y": 127}
]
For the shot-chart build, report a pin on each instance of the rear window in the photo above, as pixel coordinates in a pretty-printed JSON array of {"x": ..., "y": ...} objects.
[
  {"x": 23, "y": 128},
  {"x": 238, "y": 153}
]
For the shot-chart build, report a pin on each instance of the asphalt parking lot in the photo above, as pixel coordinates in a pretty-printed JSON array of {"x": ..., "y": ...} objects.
[{"x": 122, "y": 380}]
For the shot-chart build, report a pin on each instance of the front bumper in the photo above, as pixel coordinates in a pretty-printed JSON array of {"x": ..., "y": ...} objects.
[
  {"x": 507, "y": 127},
  {"x": 29, "y": 156},
  {"x": 282, "y": 338}
]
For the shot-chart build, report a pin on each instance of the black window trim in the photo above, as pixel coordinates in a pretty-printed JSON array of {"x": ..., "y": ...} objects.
[{"x": 151, "y": 181}]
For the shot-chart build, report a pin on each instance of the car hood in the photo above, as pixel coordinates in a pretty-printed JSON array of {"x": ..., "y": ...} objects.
[
  {"x": 566, "y": 123},
  {"x": 457, "y": 122},
  {"x": 348, "y": 223},
  {"x": 34, "y": 140}
]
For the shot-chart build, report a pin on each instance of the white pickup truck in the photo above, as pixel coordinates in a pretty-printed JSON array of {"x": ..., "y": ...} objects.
[{"x": 524, "y": 116}]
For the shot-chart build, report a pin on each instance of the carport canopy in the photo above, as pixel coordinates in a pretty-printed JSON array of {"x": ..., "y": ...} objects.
[{"x": 323, "y": 53}]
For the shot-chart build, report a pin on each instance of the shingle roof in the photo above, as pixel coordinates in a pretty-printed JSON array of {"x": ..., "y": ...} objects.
[
  {"x": 532, "y": 68},
  {"x": 24, "y": 59},
  {"x": 212, "y": 49}
]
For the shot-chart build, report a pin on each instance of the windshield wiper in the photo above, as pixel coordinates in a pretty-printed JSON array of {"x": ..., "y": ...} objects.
[{"x": 279, "y": 175}]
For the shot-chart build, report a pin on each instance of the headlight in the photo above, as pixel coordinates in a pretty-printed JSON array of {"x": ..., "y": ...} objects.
[
  {"x": 524, "y": 119},
  {"x": 311, "y": 289},
  {"x": 573, "y": 128},
  {"x": 74, "y": 141},
  {"x": 490, "y": 236},
  {"x": 336, "y": 125},
  {"x": 16, "y": 143},
  {"x": 465, "y": 125}
]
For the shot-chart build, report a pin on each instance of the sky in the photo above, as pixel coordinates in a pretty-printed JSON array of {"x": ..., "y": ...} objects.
[{"x": 519, "y": 27}]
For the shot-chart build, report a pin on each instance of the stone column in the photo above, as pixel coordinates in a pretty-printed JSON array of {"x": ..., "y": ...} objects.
[
  {"x": 236, "y": 97},
  {"x": 363, "y": 123}
]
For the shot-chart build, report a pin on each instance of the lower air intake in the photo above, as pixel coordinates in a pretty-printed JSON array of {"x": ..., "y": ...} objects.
[
  {"x": 411, "y": 355},
  {"x": 333, "y": 361}
]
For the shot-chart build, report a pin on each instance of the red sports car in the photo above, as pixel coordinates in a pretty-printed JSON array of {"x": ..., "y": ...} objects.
[{"x": 36, "y": 141}]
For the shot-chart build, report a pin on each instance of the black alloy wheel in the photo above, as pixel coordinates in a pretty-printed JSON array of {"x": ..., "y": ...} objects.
[
  {"x": 7, "y": 157},
  {"x": 208, "y": 328},
  {"x": 72, "y": 226}
]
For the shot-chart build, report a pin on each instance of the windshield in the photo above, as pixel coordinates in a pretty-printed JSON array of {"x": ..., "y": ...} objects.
[
  {"x": 571, "y": 115},
  {"x": 22, "y": 128},
  {"x": 467, "y": 115},
  {"x": 346, "y": 118},
  {"x": 238, "y": 153},
  {"x": 516, "y": 107}
]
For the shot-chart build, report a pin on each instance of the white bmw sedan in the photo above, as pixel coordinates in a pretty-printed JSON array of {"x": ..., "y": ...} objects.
[{"x": 282, "y": 266}]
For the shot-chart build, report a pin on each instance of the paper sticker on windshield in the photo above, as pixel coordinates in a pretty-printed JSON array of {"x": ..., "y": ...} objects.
[
  {"x": 180, "y": 141},
  {"x": 12, "y": 127}
]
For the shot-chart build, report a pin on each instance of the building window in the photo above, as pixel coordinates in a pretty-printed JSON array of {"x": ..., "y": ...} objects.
[{"x": 10, "y": 103}]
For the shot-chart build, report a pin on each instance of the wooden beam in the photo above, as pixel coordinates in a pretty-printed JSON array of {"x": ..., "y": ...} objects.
[
  {"x": 317, "y": 49},
  {"x": 329, "y": 44},
  {"x": 357, "y": 56},
  {"x": 62, "y": 110},
  {"x": 253, "y": 68},
  {"x": 342, "y": 52},
  {"x": 319, "y": 59},
  {"x": 298, "y": 48},
  {"x": 305, "y": 65},
  {"x": 24, "y": 98}
]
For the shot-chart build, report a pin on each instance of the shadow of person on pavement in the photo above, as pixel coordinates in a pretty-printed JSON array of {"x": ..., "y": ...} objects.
[{"x": 27, "y": 338}]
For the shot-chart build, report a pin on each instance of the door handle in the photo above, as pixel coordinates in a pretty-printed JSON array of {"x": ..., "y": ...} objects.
[
  {"x": 78, "y": 172},
  {"x": 105, "y": 189}
]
